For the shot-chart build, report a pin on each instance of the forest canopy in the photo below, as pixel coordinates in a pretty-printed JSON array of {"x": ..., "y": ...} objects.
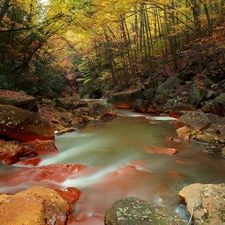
[{"x": 92, "y": 44}]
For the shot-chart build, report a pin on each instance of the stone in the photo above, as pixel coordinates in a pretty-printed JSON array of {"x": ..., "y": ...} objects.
[
  {"x": 170, "y": 84},
  {"x": 215, "y": 106},
  {"x": 23, "y": 125},
  {"x": 196, "y": 94},
  {"x": 50, "y": 175},
  {"x": 149, "y": 94},
  {"x": 141, "y": 105},
  {"x": 125, "y": 99},
  {"x": 196, "y": 120},
  {"x": 135, "y": 211},
  {"x": 10, "y": 152},
  {"x": 160, "y": 150},
  {"x": 205, "y": 202},
  {"x": 102, "y": 109},
  {"x": 219, "y": 126},
  {"x": 36, "y": 206},
  {"x": 184, "y": 132}
]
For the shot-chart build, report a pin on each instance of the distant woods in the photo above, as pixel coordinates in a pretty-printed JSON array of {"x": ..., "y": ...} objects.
[{"x": 109, "y": 43}]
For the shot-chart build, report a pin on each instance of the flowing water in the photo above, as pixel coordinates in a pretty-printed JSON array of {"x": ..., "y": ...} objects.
[{"x": 118, "y": 165}]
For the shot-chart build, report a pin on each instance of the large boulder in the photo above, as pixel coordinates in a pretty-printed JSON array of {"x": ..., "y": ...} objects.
[
  {"x": 102, "y": 109},
  {"x": 141, "y": 105},
  {"x": 19, "y": 100},
  {"x": 126, "y": 99},
  {"x": 196, "y": 120},
  {"x": 135, "y": 211},
  {"x": 196, "y": 94},
  {"x": 36, "y": 206},
  {"x": 208, "y": 128},
  {"x": 23, "y": 125},
  {"x": 170, "y": 84},
  {"x": 216, "y": 106},
  {"x": 205, "y": 202}
]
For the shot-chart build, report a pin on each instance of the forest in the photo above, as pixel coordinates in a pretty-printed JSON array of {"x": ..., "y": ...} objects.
[{"x": 59, "y": 47}]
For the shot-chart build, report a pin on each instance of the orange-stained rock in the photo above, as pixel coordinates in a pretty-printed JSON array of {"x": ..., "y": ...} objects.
[
  {"x": 34, "y": 206},
  {"x": 175, "y": 114},
  {"x": 71, "y": 195},
  {"x": 184, "y": 132},
  {"x": 13, "y": 151},
  {"x": 182, "y": 162},
  {"x": 160, "y": 150},
  {"x": 23, "y": 125},
  {"x": 50, "y": 176},
  {"x": 29, "y": 161},
  {"x": 40, "y": 147},
  {"x": 10, "y": 152}
]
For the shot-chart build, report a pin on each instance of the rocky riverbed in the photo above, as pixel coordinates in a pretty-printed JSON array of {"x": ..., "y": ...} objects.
[{"x": 28, "y": 126}]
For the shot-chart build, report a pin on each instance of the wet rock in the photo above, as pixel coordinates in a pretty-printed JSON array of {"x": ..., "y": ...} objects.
[
  {"x": 205, "y": 202},
  {"x": 102, "y": 109},
  {"x": 203, "y": 127},
  {"x": 196, "y": 120},
  {"x": 215, "y": 106},
  {"x": 141, "y": 105},
  {"x": 36, "y": 206},
  {"x": 50, "y": 176},
  {"x": 23, "y": 125},
  {"x": 160, "y": 150},
  {"x": 10, "y": 152},
  {"x": 29, "y": 161},
  {"x": 126, "y": 99},
  {"x": 66, "y": 130},
  {"x": 219, "y": 127},
  {"x": 13, "y": 151},
  {"x": 71, "y": 195},
  {"x": 184, "y": 132},
  {"x": 39, "y": 147},
  {"x": 135, "y": 211}
]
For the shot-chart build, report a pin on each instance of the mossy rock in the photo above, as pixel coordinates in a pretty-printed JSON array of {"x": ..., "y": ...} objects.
[{"x": 135, "y": 211}]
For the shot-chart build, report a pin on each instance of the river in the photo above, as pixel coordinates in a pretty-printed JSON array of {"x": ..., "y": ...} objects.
[{"x": 118, "y": 165}]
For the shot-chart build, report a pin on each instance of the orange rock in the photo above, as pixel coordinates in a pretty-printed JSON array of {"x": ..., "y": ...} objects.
[
  {"x": 10, "y": 152},
  {"x": 36, "y": 206},
  {"x": 29, "y": 161},
  {"x": 182, "y": 162},
  {"x": 51, "y": 175},
  {"x": 184, "y": 132},
  {"x": 71, "y": 195},
  {"x": 160, "y": 150}
]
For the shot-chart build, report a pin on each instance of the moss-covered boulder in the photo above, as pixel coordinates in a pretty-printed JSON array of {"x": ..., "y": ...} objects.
[
  {"x": 23, "y": 125},
  {"x": 135, "y": 211}
]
